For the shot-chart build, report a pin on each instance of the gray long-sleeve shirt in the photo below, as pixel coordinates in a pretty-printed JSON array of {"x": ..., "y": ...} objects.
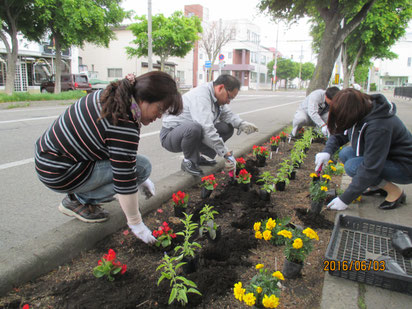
[
  {"x": 200, "y": 106},
  {"x": 313, "y": 104}
]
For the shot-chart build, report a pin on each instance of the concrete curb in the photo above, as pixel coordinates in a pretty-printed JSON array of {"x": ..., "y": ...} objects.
[{"x": 58, "y": 246}]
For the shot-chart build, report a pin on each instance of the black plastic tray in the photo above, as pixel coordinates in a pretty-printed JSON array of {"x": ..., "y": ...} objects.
[{"x": 358, "y": 239}]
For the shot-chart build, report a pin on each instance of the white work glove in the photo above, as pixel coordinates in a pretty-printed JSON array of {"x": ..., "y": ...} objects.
[
  {"x": 247, "y": 127},
  {"x": 142, "y": 232},
  {"x": 148, "y": 188},
  {"x": 337, "y": 204},
  {"x": 325, "y": 131},
  {"x": 321, "y": 158},
  {"x": 230, "y": 164}
]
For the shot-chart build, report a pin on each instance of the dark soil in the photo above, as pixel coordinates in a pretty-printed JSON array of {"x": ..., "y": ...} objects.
[{"x": 221, "y": 263}]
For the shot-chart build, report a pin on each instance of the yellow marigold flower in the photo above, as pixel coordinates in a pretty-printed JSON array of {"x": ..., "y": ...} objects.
[
  {"x": 341, "y": 164},
  {"x": 359, "y": 198},
  {"x": 330, "y": 161},
  {"x": 333, "y": 168},
  {"x": 259, "y": 290},
  {"x": 238, "y": 291},
  {"x": 270, "y": 225},
  {"x": 285, "y": 233},
  {"x": 249, "y": 299},
  {"x": 259, "y": 266},
  {"x": 313, "y": 175},
  {"x": 256, "y": 226},
  {"x": 270, "y": 302},
  {"x": 324, "y": 188},
  {"x": 278, "y": 274},
  {"x": 310, "y": 233},
  {"x": 326, "y": 177},
  {"x": 297, "y": 244},
  {"x": 267, "y": 235},
  {"x": 258, "y": 235}
]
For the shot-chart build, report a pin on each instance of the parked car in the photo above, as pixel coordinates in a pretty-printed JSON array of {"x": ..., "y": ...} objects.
[{"x": 68, "y": 82}]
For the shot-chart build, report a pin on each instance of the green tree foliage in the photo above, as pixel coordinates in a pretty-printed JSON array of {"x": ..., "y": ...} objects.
[
  {"x": 307, "y": 70},
  {"x": 76, "y": 22},
  {"x": 361, "y": 73},
  {"x": 17, "y": 16},
  {"x": 287, "y": 69},
  {"x": 332, "y": 12},
  {"x": 172, "y": 36}
]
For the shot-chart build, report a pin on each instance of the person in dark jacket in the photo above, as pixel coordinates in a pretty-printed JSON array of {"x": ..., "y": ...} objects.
[{"x": 380, "y": 151}]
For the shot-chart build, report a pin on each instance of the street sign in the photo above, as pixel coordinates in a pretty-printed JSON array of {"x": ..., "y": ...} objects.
[
  {"x": 336, "y": 78},
  {"x": 221, "y": 64},
  {"x": 208, "y": 64},
  {"x": 221, "y": 57}
]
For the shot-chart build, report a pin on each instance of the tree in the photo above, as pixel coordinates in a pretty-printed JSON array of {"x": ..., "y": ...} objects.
[
  {"x": 17, "y": 16},
  {"x": 286, "y": 69},
  {"x": 213, "y": 39},
  {"x": 307, "y": 71},
  {"x": 172, "y": 36},
  {"x": 332, "y": 12},
  {"x": 72, "y": 23},
  {"x": 383, "y": 26}
]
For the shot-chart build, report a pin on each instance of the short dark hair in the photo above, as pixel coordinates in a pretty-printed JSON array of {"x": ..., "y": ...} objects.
[
  {"x": 331, "y": 91},
  {"x": 347, "y": 108},
  {"x": 151, "y": 87},
  {"x": 230, "y": 82}
]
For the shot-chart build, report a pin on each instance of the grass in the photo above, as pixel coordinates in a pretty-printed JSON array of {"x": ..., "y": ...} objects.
[
  {"x": 28, "y": 97},
  {"x": 361, "y": 297}
]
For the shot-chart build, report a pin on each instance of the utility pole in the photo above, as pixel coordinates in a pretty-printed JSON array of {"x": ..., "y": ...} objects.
[
  {"x": 300, "y": 66},
  {"x": 258, "y": 63},
  {"x": 149, "y": 35},
  {"x": 276, "y": 58}
]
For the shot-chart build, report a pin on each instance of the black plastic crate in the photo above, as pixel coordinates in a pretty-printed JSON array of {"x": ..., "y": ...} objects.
[{"x": 367, "y": 242}]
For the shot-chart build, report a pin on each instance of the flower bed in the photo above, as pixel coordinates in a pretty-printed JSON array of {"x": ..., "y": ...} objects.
[{"x": 222, "y": 263}]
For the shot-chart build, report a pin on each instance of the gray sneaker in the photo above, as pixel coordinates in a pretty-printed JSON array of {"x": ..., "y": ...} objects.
[
  {"x": 191, "y": 168},
  {"x": 71, "y": 207}
]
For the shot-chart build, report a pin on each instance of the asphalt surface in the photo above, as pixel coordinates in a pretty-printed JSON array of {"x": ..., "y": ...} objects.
[{"x": 42, "y": 253}]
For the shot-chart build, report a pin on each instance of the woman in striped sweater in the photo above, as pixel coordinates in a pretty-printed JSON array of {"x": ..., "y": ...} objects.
[{"x": 90, "y": 151}]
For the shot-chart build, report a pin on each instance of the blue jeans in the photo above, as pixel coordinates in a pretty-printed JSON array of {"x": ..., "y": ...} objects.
[
  {"x": 392, "y": 171},
  {"x": 99, "y": 187}
]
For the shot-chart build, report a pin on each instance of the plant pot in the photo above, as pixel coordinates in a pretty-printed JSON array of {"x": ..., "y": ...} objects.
[
  {"x": 292, "y": 175},
  {"x": 205, "y": 193},
  {"x": 402, "y": 243},
  {"x": 315, "y": 207},
  {"x": 291, "y": 270},
  {"x": 297, "y": 164},
  {"x": 179, "y": 211},
  {"x": 260, "y": 160},
  {"x": 264, "y": 195},
  {"x": 273, "y": 147},
  {"x": 191, "y": 264},
  {"x": 283, "y": 138},
  {"x": 280, "y": 186},
  {"x": 245, "y": 186}
]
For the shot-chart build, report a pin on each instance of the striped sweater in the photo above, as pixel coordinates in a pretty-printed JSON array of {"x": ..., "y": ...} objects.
[{"x": 66, "y": 153}]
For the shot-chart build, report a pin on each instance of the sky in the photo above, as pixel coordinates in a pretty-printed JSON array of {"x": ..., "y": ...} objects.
[{"x": 292, "y": 40}]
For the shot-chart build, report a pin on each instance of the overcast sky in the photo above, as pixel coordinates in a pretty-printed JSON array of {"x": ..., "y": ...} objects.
[{"x": 291, "y": 40}]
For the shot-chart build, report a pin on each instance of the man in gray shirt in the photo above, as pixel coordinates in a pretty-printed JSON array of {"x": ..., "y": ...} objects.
[
  {"x": 314, "y": 110},
  {"x": 205, "y": 124}
]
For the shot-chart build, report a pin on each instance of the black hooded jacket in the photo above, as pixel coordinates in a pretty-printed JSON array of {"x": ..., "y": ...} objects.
[{"x": 380, "y": 136}]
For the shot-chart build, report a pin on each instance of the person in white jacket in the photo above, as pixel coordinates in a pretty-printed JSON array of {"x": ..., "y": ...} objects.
[
  {"x": 204, "y": 125},
  {"x": 313, "y": 111}
]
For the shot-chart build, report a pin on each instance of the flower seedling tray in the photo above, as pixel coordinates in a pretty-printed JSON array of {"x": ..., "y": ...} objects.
[{"x": 361, "y": 250}]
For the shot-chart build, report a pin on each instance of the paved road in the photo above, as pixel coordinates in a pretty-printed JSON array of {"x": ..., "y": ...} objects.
[{"x": 29, "y": 209}]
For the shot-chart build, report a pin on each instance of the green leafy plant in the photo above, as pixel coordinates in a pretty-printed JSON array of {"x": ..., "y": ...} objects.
[
  {"x": 318, "y": 189},
  {"x": 180, "y": 285},
  {"x": 286, "y": 167},
  {"x": 260, "y": 151},
  {"x": 268, "y": 230},
  {"x": 282, "y": 177},
  {"x": 298, "y": 243},
  {"x": 240, "y": 163},
  {"x": 207, "y": 221},
  {"x": 244, "y": 176},
  {"x": 334, "y": 168},
  {"x": 164, "y": 235},
  {"x": 274, "y": 140},
  {"x": 263, "y": 288},
  {"x": 209, "y": 182},
  {"x": 268, "y": 182},
  {"x": 108, "y": 266},
  {"x": 187, "y": 248},
  {"x": 180, "y": 199}
]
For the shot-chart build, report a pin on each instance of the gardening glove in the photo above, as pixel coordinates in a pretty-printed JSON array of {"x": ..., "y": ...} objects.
[
  {"x": 230, "y": 164},
  {"x": 247, "y": 127},
  {"x": 337, "y": 204},
  {"x": 325, "y": 131},
  {"x": 142, "y": 232},
  {"x": 321, "y": 158},
  {"x": 148, "y": 188}
]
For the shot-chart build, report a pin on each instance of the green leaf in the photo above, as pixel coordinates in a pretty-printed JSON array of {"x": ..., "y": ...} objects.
[
  {"x": 172, "y": 295},
  {"x": 192, "y": 290}
]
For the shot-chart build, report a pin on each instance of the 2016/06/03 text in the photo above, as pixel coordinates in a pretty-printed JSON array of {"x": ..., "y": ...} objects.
[{"x": 354, "y": 265}]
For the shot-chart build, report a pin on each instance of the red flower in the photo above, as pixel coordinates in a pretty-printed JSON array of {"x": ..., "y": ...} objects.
[
  {"x": 173, "y": 235},
  {"x": 124, "y": 268},
  {"x": 110, "y": 256},
  {"x": 155, "y": 233},
  {"x": 117, "y": 263},
  {"x": 99, "y": 262},
  {"x": 26, "y": 306},
  {"x": 160, "y": 232},
  {"x": 241, "y": 160}
]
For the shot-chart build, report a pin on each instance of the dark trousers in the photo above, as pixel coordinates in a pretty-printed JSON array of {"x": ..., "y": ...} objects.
[{"x": 187, "y": 138}]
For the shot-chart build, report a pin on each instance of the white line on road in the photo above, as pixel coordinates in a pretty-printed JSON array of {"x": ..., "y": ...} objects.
[
  {"x": 26, "y": 161},
  {"x": 28, "y": 119}
]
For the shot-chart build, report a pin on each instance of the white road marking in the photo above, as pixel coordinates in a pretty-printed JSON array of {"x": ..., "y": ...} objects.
[{"x": 31, "y": 160}]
